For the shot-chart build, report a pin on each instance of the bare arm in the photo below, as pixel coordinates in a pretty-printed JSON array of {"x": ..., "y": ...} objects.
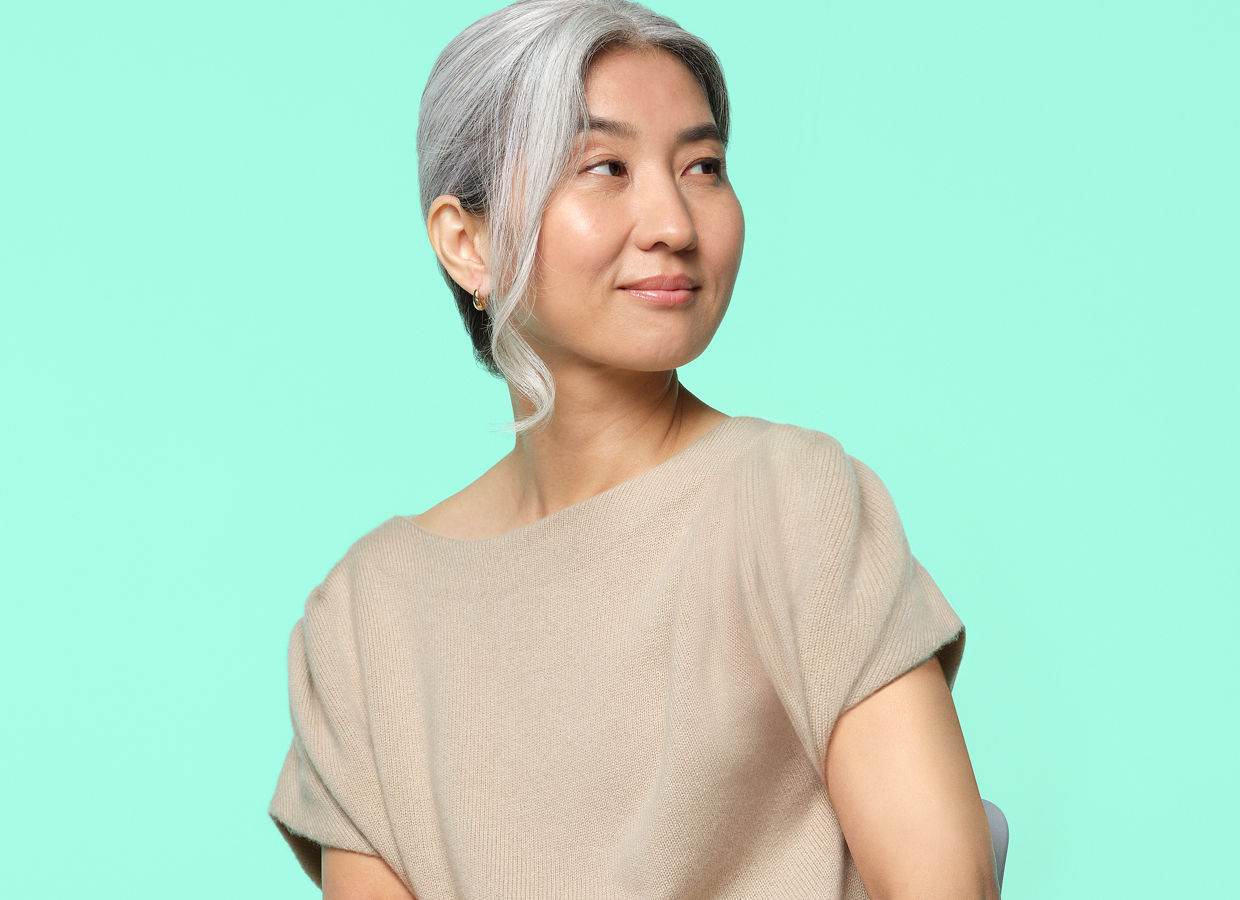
[
  {"x": 902, "y": 786},
  {"x": 356, "y": 876}
]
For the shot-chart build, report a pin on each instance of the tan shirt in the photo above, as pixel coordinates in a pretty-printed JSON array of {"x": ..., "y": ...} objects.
[{"x": 630, "y": 698}]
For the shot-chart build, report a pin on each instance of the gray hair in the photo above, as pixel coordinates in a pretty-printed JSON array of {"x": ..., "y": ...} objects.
[{"x": 498, "y": 128}]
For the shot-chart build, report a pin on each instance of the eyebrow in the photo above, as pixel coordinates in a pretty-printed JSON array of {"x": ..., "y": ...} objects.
[{"x": 707, "y": 131}]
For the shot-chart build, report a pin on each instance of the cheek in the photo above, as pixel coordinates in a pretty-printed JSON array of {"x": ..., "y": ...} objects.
[
  {"x": 727, "y": 237},
  {"x": 577, "y": 240}
]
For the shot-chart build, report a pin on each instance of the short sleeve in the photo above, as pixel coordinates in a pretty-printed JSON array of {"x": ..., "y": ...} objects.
[
  {"x": 844, "y": 608},
  {"x": 328, "y": 792},
  {"x": 904, "y": 617}
]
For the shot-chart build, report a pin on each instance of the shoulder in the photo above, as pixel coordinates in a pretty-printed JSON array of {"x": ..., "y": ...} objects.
[
  {"x": 382, "y": 545},
  {"x": 792, "y": 460},
  {"x": 807, "y": 481},
  {"x": 380, "y": 556},
  {"x": 480, "y": 509},
  {"x": 352, "y": 611},
  {"x": 792, "y": 444}
]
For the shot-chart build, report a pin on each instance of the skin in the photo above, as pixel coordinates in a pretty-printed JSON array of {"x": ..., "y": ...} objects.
[
  {"x": 642, "y": 202},
  {"x": 899, "y": 778},
  {"x": 356, "y": 876},
  {"x": 645, "y": 201}
]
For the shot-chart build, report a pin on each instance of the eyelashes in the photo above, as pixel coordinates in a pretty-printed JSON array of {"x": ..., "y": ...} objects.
[
  {"x": 613, "y": 167},
  {"x": 712, "y": 166}
]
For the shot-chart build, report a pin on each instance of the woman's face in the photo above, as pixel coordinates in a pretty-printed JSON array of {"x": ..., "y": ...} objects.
[{"x": 640, "y": 247}]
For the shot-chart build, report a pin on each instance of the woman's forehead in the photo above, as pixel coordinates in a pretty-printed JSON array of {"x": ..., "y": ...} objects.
[{"x": 626, "y": 87}]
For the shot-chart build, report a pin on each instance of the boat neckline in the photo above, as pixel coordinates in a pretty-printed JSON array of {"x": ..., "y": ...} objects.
[{"x": 538, "y": 526}]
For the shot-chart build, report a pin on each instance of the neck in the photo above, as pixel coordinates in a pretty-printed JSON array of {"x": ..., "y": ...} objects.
[{"x": 606, "y": 428}]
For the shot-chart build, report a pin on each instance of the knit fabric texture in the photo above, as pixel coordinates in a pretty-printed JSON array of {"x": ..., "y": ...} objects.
[{"x": 629, "y": 698}]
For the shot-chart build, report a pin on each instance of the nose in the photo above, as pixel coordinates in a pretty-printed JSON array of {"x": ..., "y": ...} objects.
[{"x": 663, "y": 217}]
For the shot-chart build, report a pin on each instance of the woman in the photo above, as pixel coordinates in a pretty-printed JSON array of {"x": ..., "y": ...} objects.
[{"x": 655, "y": 651}]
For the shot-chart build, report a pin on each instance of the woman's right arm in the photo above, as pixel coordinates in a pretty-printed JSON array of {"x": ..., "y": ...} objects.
[{"x": 356, "y": 876}]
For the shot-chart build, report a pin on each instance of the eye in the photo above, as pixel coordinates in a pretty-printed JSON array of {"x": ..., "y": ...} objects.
[
  {"x": 607, "y": 167},
  {"x": 711, "y": 166}
]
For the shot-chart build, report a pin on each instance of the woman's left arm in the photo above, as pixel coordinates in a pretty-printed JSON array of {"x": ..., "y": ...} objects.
[{"x": 899, "y": 777}]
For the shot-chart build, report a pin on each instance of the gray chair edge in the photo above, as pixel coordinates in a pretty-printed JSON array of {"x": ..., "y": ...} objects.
[{"x": 998, "y": 835}]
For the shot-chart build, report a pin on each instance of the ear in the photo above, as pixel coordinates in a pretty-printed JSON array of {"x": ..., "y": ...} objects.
[{"x": 460, "y": 241}]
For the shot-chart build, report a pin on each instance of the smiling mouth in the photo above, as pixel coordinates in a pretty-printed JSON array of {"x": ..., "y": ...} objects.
[
  {"x": 663, "y": 290},
  {"x": 662, "y": 298}
]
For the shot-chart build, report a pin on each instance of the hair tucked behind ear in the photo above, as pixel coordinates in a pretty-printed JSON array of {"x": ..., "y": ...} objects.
[{"x": 498, "y": 128}]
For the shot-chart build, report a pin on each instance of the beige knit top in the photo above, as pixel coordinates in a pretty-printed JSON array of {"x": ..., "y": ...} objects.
[{"x": 630, "y": 698}]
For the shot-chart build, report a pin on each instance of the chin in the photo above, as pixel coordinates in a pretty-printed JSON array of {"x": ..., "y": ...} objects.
[
  {"x": 660, "y": 349},
  {"x": 662, "y": 360}
]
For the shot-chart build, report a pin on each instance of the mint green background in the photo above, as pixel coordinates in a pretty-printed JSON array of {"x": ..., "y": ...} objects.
[{"x": 993, "y": 248}]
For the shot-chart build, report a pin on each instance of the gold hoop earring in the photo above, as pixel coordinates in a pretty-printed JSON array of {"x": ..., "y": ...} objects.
[{"x": 480, "y": 303}]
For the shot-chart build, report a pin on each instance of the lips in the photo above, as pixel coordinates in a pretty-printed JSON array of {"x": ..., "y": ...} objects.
[
  {"x": 663, "y": 290},
  {"x": 661, "y": 283}
]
